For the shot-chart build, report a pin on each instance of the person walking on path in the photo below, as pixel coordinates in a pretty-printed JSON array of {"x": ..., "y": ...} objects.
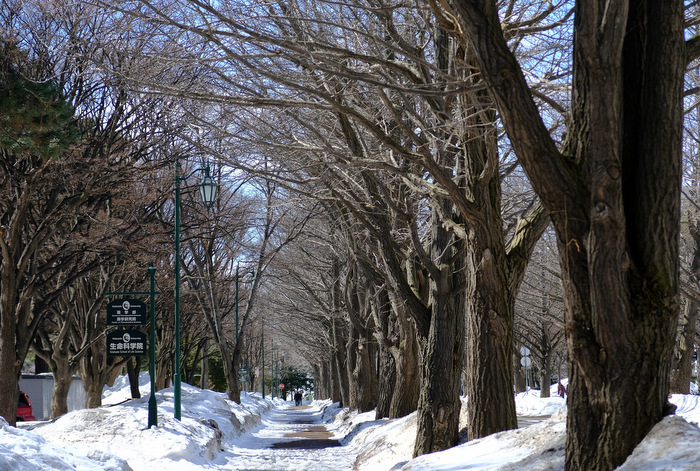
[
  {"x": 297, "y": 398},
  {"x": 561, "y": 389}
]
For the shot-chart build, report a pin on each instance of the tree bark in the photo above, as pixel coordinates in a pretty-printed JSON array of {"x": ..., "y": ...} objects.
[
  {"x": 204, "y": 378},
  {"x": 682, "y": 362},
  {"x": 546, "y": 363},
  {"x": 59, "y": 394},
  {"x": 489, "y": 338},
  {"x": 133, "y": 366},
  {"x": 96, "y": 370},
  {"x": 387, "y": 380},
  {"x": 443, "y": 352},
  {"x": 614, "y": 197},
  {"x": 363, "y": 376},
  {"x": 490, "y": 301},
  {"x": 519, "y": 377},
  {"x": 62, "y": 369},
  {"x": 340, "y": 371},
  {"x": 407, "y": 388}
]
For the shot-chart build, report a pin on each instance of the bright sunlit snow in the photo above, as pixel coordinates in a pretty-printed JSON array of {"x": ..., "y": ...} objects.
[{"x": 217, "y": 434}]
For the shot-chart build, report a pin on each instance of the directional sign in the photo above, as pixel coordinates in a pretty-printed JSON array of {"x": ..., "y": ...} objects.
[
  {"x": 126, "y": 312},
  {"x": 126, "y": 343},
  {"x": 242, "y": 375}
]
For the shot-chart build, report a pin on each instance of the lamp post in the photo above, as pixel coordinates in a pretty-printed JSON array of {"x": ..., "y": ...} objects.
[
  {"x": 152, "y": 404},
  {"x": 207, "y": 189},
  {"x": 262, "y": 345},
  {"x": 272, "y": 370}
]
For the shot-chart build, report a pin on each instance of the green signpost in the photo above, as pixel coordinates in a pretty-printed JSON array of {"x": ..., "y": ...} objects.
[{"x": 131, "y": 342}]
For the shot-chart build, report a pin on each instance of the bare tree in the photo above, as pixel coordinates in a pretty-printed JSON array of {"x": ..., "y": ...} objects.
[
  {"x": 613, "y": 194},
  {"x": 390, "y": 101}
]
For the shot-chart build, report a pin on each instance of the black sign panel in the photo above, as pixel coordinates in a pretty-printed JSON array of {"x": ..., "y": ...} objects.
[
  {"x": 124, "y": 343},
  {"x": 126, "y": 312}
]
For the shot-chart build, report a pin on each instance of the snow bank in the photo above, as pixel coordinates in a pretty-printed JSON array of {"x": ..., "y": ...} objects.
[
  {"x": 208, "y": 419},
  {"x": 385, "y": 444},
  {"x": 687, "y": 406},
  {"x": 21, "y": 450},
  {"x": 115, "y": 438},
  {"x": 530, "y": 403},
  {"x": 671, "y": 445}
]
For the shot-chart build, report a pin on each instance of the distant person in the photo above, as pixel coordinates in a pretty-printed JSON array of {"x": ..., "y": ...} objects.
[
  {"x": 561, "y": 390},
  {"x": 297, "y": 398}
]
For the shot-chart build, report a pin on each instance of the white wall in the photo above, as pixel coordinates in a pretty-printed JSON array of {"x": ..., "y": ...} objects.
[{"x": 38, "y": 388}]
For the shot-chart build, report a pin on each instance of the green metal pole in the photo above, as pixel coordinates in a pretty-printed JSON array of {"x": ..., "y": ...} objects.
[
  {"x": 152, "y": 404},
  {"x": 272, "y": 369},
  {"x": 238, "y": 264},
  {"x": 262, "y": 344},
  {"x": 176, "y": 367},
  {"x": 277, "y": 376}
]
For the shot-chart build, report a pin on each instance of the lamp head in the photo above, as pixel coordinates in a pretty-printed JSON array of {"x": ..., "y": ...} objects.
[{"x": 207, "y": 189}]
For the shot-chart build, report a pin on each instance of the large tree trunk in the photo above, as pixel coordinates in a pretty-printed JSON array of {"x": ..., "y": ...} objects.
[
  {"x": 204, "y": 377},
  {"x": 63, "y": 370},
  {"x": 11, "y": 354},
  {"x": 407, "y": 389},
  {"x": 399, "y": 372},
  {"x": 133, "y": 366},
  {"x": 93, "y": 395},
  {"x": 228, "y": 361},
  {"x": 363, "y": 375},
  {"x": 489, "y": 338},
  {"x": 325, "y": 368},
  {"x": 489, "y": 302},
  {"x": 361, "y": 348},
  {"x": 96, "y": 370},
  {"x": 339, "y": 335},
  {"x": 443, "y": 352},
  {"x": 9, "y": 386},
  {"x": 682, "y": 363},
  {"x": 622, "y": 290},
  {"x": 546, "y": 366},
  {"x": 614, "y": 198},
  {"x": 340, "y": 371},
  {"x": 92, "y": 371},
  {"x": 387, "y": 380},
  {"x": 519, "y": 382},
  {"x": 59, "y": 394}
]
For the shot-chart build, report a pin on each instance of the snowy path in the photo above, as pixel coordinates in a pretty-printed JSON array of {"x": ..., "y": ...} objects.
[{"x": 282, "y": 429}]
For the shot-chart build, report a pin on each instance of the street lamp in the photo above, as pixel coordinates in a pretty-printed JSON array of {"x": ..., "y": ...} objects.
[
  {"x": 262, "y": 346},
  {"x": 207, "y": 190}
]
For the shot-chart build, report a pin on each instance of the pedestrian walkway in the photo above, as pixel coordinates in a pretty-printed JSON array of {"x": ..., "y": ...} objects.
[{"x": 290, "y": 437}]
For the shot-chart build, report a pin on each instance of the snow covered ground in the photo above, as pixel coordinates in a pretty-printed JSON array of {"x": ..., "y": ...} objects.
[{"x": 217, "y": 434}]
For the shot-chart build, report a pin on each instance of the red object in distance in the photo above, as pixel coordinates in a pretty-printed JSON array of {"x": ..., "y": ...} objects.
[{"x": 24, "y": 408}]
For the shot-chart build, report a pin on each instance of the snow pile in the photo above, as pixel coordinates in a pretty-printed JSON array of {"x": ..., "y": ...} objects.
[
  {"x": 671, "y": 445},
  {"x": 530, "y": 403},
  {"x": 21, "y": 450},
  {"x": 687, "y": 406},
  {"x": 387, "y": 444},
  {"x": 121, "y": 435},
  {"x": 218, "y": 434}
]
